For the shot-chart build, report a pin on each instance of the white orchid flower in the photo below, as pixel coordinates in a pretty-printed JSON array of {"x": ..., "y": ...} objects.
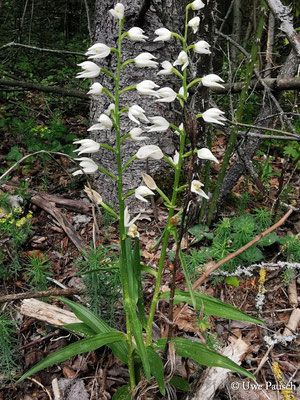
[
  {"x": 182, "y": 60},
  {"x": 149, "y": 151},
  {"x": 146, "y": 88},
  {"x": 90, "y": 70},
  {"x": 145, "y": 60},
  {"x": 175, "y": 159},
  {"x": 166, "y": 94},
  {"x": 201, "y": 47},
  {"x": 97, "y": 51},
  {"x": 196, "y": 188},
  {"x": 163, "y": 35},
  {"x": 211, "y": 81},
  {"x": 87, "y": 146},
  {"x": 181, "y": 91},
  {"x": 94, "y": 196},
  {"x": 135, "y": 112},
  {"x": 96, "y": 89},
  {"x": 88, "y": 166},
  {"x": 130, "y": 224},
  {"x": 160, "y": 124},
  {"x": 118, "y": 11},
  {"x": 109, "y": 109},
  {"x": 136, "y": 34},
  {"x": 194, "y": 24},
  {"x": 197, "y": 5},
  {"x": 141, "y": 192},
  {"x": 135, "y": 134},
  {"x": 214, "y": 116},
  {"x": 104, "y": 123},
  {"x": 149, "y": 181},
  {"x": 206, "y": 154},
  {"x": 167, "y": 68}
]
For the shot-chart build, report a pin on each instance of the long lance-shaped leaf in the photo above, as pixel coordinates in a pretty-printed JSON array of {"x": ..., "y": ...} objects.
[
  {"x": 136, "y": 258},
  {"x": 138, "y": 335},
  {"x": 98, "y": 326},
  {"x": 82, "y": 346},
  {"x": 157, "y": 369},
  {"x": 187, "y": 278},
  {"x": 202, "y": 355},
  {"x": 212, "y": 306}
]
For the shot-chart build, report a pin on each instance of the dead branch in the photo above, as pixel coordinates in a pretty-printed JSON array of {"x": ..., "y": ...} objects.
[
  {"x": 264, "y": 128},
  {"x": 26, "y": 46},
  {"x": 39, "y": 294},
  {"x": 283, "y": 14},
  {"x": 62, "y": 220},
  {"x": 210, "y": 270},
  {"x": 46, "y": 89}
]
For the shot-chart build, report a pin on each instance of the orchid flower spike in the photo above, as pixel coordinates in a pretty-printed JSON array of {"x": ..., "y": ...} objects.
[
  {"x": 194, "y": 24},
  {"x": 211, "y": 81},
  {"x": 88, "y": 166},
  {"x": 160, "y": 124},
  {"x": 166, "y": 94},
  {"x": 146, "y": 88},
  {"x": 201, "y": 47},
  {"x": 167, "y": 68},
  {"x": 214, "y": 116},
  {"x": 87, "y": 146},
  {"x": 136, "y": 112},
  {"x": 182, "y": 60},
  {"x": 141, "y": 192},
  {"x": 206, "y": 154},
  {"x": 90, "y": 70},
  {"x": 98, "y": 50},
  {"x": 118, "y": 11},
  {"x": 197, "y": 5},
  {"x": 163, "y": 35},
  {"x": 145, "y": 60},
  {"x": 196, "y": 188},
  {"x": 96, "y": 89},
  {"x": 104, "y": 123},
  {"x": 149, "y": 151},
  {"x": 135, "y": 134},
  {"x": 136, "y": 35}
]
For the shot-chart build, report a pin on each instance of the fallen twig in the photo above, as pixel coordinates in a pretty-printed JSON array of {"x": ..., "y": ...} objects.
[
  {"x": 241, "y": 250},
  {"x": 39, "y": 294}
]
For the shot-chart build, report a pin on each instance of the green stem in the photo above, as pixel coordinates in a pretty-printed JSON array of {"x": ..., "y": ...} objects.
[
  {"x": 105, "y": 71},
  {"x": 178, "y": 37},
  {"x": 194, "y": 82},
  {"x": 131, "y": 60},
  {"x": 238, "y": 116},
  {"x": 130, "y": 193},
  {"x": 108, "y": 147},
  {"x": 128, "y": 163},
  {"x": 206, "y": 179},
  {"x": 123, "y": 260},
  {"x": 101, "y": 169},
  {"x": 132, "y": 87},
  {"x": 109, "y": 93}
]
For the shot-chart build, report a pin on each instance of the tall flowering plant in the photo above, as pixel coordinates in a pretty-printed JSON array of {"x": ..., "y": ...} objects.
[{"x": 136, "y": 347}]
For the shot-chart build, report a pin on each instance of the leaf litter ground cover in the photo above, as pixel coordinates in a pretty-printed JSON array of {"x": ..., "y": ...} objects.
[{"x": 98, "y": 374}]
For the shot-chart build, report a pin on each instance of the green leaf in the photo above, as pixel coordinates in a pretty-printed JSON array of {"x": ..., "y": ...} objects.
[
  {"x": 212, "y": 306},
  {"x": 199, "y": 232},
  {"x": 252, "y": 255},
  {"x": 82, "y": 346},
  {"x": 157, "y": 369},
  {"x": 122, "y": 393},
  {"x": 180, "y": 383},
  {"x": 202, "y": 355},
  {"x": 80, "y": 328},
  {"x": 133, "y": 286},
  {"x": 268, "y": 240},
  {"x": 98, "y": 326},
  {"x": 136, "y": 258},
  {"x": 139, "y": 340},
  {"x": 232, "y": 280},
  {"x": 187, "y": 278},
  {"x": 14, "y": 154}
]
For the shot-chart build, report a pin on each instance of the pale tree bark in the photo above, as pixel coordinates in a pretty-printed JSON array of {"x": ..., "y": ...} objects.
[{"x": 148, "y": 15}]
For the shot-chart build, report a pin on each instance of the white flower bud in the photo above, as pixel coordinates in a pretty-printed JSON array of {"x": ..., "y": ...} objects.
[
  {"x": 201, "y": 47},
  {"x": 214, "y": 116},
  {"x": 196, "y": 188},
  {"x": 182, "y": 60},
  {"x": 206, "y": 154},
  {"x": 160, "y": 124},
  {"x": 96, "y": 89},
  {"x": 141, "y": 192},
  {"x": 145, "y": 60},
  {"x": 194, "y": 24},
  {"x": 211, "y": 81},
  {"x": 90, "y": 70},
  {"x": 167, "y": 68},
  {"x": 87, "y": 146},
  {"x": 149, "y": 151},
  {"x": 136, "y": 35},
  {"x": 118, "y": 11},
  {"x": 163, "y": 35},
  {"x": 98, "y": 50},
  {"x": 88, "y": 166}
]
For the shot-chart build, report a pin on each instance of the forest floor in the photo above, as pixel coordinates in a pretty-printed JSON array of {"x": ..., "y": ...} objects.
[{"x": 46, "y": 189}]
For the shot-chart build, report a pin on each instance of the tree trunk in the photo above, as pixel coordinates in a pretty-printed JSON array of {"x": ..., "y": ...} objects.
[{"x": 148, "y": 15}]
